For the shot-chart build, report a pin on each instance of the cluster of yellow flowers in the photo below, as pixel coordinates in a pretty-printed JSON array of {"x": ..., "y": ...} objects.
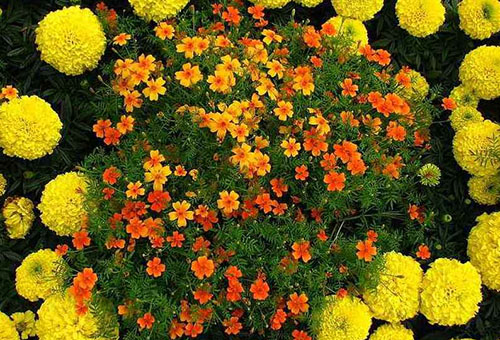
[
  {"x": 397, "y": 296},
  {"x": 358, "y": 9},
  {"x": 480, "y": 19},
  {"x": 58, "y": 320},
  {"x": 18, "y": 215},
  {"x": 343, "y": 318},
  {"x": 157, "y": 10},
  {"x": 30, "y": 128},
  {"x": 451, "y": 292},
  {"x": 25, "y": 324},
  {"x": 420, "y": 17},
  {"x": 392, "y": 331},
  {"x": 61, "y": 205},
  {"x": 71, "y": 40},
  {"x": 484, "y": 249},
  {"x": 7, "y": 328},
  {"x": 39, "y": 275}
]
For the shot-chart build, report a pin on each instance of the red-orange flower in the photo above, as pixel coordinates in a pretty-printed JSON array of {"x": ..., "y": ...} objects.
[
  {"x": 335, "y": 181},
  {"x": 233, "y": 326},
  {"x": 146, "y": 321},
  {"x": 300, "y": 335},
  {"x": 259, "y": 289},
  {"x": 86, "y": 279},
  {"x": 81, "y": 239},
  {"x": 298, "y": 303},
  {"x": 202, "y": 267},
  {"x": 301, "y": 251},
  {"x": 155, "y": 267},
  {"x": 366, "y": 250},
  {"x": 423, "y": 252}
]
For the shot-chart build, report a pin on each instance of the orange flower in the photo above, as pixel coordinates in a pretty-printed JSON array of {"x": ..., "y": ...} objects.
[
  {"x": 136, "y": 228},
  {"x": 301, "y": 251},
  {"x": 8, "y": 92},
  {"x": 335, "y": 181},
  {"x": 187, "y": 47},
  {"x": 423, "y": 252},
  {"x": 202, "y": 267},
  {"x": 298, "y": 303},
  {"x": 328, "y": 29},
  {"x": 259, "y": 289},
  {"x": 316, "y": 61},
  {"x": 176, "y": 239},
  {"x": 278, "y": 319},
  {"x": 382, "y": 57},
  {"x": 155, "y": 159},
  {"x": 62, "y": 249},
  {"x": 189, "y": 75},
  {"x": 121, "y": 39},
  {"x": 346, "y": 152},
  {"x": 100, "y": 127},
  {"x": 232, "y": 15},
  {"x": 265, "y": 202},
  {"x": 312, "y": 38},
  {"x": 202, "y": 295},
  {"x": 164, "y": 31},
  {"x": 416, "y": 213},
  {"x": 155, "y": 267},
  {"x": 86, "y": 279},
  {"x": 193, "y": 329},
  {"x": 134, "y": 190},
  {"x": 366, "y": 250},
  {"x": 396, "y": 131},
  {"x": 284, "y": 110},
  {"x": 300, "y": 335},
  {"x": 304, "y": 83},
  {"x": 322, "y": 236},
  {"x": 112, "y": 136},
  {"x": 270, "y": 36},
  {"x": 291, "y": 146},
  {"x": 342, "y": 293},
  {"x": 257, "y": 12},
  {"x": 301, "y": 172},
  {"x": 449, "y": 104},
  {"x": 81, "y": 239},
  {"x": 176, "y": 329},
  {"x": 233, "y": 326},
  {"x": 132, "y": 100},
  {"x": 228, "y": 201},
  {"x": 111, "y": 175},
  {"x": 154, "y": 88},
  {"x": 372, "y": 235},
  {"x": 181, "y": 213},
  {"x": 279, "y": 187},
  {"x": 348, "y": 88},
  {"x": 146, "y": 321}
]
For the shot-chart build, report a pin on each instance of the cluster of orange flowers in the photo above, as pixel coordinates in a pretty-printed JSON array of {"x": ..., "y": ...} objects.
[{"x": 83, "y": 284}]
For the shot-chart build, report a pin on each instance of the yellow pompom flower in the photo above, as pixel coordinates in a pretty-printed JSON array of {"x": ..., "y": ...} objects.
[
  {"x": 480, "y": 72},
  {"x": 358, "y": 9},
  {"x": 351, "y": 29},
  {"x": 30, "y": 128},
  {"x": 18, "y": 215},
  {"x": 40, "y": 275},
  {"x": 420, "y": 17},
  {"x": 463, "y": 96},
  {"x": 25, "y": 324},
  {"x": 485, "y": 190},
  {"x": 61, "y": 205},
  {"x": 309, "y": 3},
  {"x": 397, "y": 295},
  {"x": 479, "y": 19},
  {"x": 472, "y": 146},
  {"x": 392, "y": 331},
  {"x": 464, "y": 115},
  {"x": 419, "y": 87},
  {"x": 7, "y": 328},
  {"x": 483, "y": 249},
  {"x": 451, "y": 292},
  {"x": 71, "y": 40},
  {"x": 3, "y": 184},
  {"x": 59, "y": 320},
  {"x": 343, "y": 318},
  {"x": 157, "y": 10}
]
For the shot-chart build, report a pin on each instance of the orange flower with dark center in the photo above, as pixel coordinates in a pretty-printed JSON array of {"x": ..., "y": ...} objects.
[
  {"x": 203, "y": 267},
  {"x": 81, "y": 239},
  {"x": 335, "y": 181},
  {"x": 111, "y": 175},
  {"x": 348, "y": 88},
  {"x": 202, "y": 295},
  {"x": 301, "y": 172},
  {"x": 86, "y": 279},
  {"x": 298, "y": 303},
  {"x": 423, "y": 252},
  {"x": 146, "y": 321},
  {"x": 100, "y": 127},
  {"x": 176, "y": 239},
  {"x": 228, "y": 201},
  {"x": 372, "y": 235},
  {"x": 301, "y": 251},
  {"x": 155, "y": 267},
  {"x": 233, "y": 326},
  {"x": 366, "y": 250}
]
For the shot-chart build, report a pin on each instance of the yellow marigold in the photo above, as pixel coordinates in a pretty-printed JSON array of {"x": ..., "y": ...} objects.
[
  {"x": 58, "y": 320},
  {"x": 7, "y": 328},
  {"x": 420, "y": 17},
  {"x": 483, "y": 249},
  {"x": 419, "y": 88},
  {"x": 464, "y": 115},
  {"x": 30, "y": 128},
  {"x": 340, "y": 319},
  {"x": 3, "y": 184},
  {"x": 479, "y": 19},
  {"x": 351, "y": 29},
  {"x": 358, "y": 9},
  {"x": 25, "y": 324},
  {"x": 463, "y": 96},
  {"x": 451, "y": 292},
  {"x": 309, "y": 3},
  {"x": 392, "y": 331},
  {"x": 40, "y": 275},
  {"x": 18, "y": 215},
  {"x": 61, "y": 205},
  {"x": 71, "y": 40},
  {"x": 396, "y": 297},
  {"x": 485, "y": 190},
  {"x": 480, "y": 71},
  {"x": 472, "y": 147},
  {"x": 157, "y": 10}
]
